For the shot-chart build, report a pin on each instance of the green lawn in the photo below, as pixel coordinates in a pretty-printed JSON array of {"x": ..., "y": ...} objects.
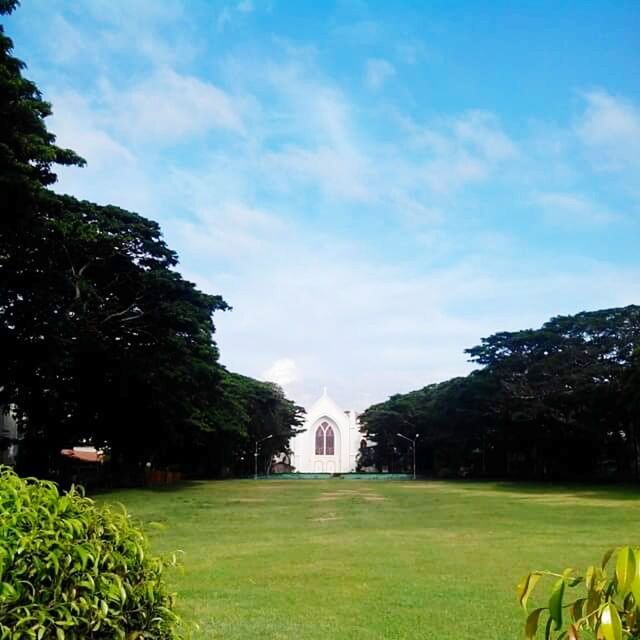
[{"x": 339, "y": 559}]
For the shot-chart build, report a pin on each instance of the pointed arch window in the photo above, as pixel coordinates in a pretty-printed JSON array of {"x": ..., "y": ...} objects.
[
  {"x": 325, "y": 440},
  {"x": 329, "y": 441},
  {"x": 320, "y": 441}
]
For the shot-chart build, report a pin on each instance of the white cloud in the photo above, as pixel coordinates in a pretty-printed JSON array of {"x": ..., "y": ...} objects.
[
  {"x": 329, "y": 155},
  {"x": 411, "y": 50},
  {"x": 114, "y": 174},
  {"x": 481, "y": 130},
  {"x": 228, "y": 13},
  {"x": 412, "y": 210},
  {"x": 339, "y": 171},
  {"x": 359, "y": 32},
  {"x": 438, "y": 159},
  {"x": 610, "y": 127},
  {"x": 151, "y": 11},
  {"x": 69, "y": 42},
  {"x": 246, "y": 6},
  {"x": 562, "y": 208},
  {"x": 368, "y": 330},
  {"x": 460, "y": 150},
  {"x": 325, "y": 307},
  {"x": 446, "y": 174},
  {"x": 76, "y": 127},
  {"x": 224, "y": 18},
  {"x": 159, "y": 32},
  {"x": 169, "y": 106},
  {"x": 231, "y": 229},
  {"x": 283, "y": 372},
  {"x": 378, "y": 72},
  {"x": 162, "y": 109}
]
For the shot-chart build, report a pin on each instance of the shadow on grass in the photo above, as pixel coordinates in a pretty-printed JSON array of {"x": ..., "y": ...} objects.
[
  {"x": 608, "y": 491},
  {"x": 176, "y": 487}
]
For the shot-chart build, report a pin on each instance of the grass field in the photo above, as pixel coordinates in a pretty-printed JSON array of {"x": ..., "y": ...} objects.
[{"x": 338, "y": 559}]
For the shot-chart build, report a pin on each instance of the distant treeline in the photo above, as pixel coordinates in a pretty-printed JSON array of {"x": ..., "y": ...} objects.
[
  {"x": 559, "y": 402},
  {"x": 102, "y": 341}
]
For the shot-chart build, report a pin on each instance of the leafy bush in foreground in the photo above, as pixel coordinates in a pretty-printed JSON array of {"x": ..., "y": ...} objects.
[
  {"x": 70, "y": 569},
  {"x": 605, "y": 607}
]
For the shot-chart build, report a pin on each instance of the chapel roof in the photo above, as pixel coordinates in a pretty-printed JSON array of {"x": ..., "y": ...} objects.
[{"x": 325, "y": 404}]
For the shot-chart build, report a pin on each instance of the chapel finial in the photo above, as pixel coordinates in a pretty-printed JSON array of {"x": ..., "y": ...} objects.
[{"x": 324, "y": 391}]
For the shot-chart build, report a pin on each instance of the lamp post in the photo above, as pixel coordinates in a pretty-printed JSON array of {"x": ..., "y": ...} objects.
[
  {"x": 413, "y": 447},
  {"x": 255, "y": 456}
]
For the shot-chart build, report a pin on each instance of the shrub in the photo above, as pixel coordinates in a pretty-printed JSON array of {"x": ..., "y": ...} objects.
[
  {"x": 71, "y": 569},
  {"x": 603, "y": 606}
]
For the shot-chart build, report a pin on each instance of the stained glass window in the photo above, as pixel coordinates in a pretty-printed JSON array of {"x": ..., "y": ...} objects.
[
  {"x": 325, "y": 440},
  {"x": 320, "y": 441},
  {"x": 329, "y": 441}
]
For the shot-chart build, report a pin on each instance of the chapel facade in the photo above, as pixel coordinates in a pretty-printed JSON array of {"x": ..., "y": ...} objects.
[{"x": 330, "y": 441}]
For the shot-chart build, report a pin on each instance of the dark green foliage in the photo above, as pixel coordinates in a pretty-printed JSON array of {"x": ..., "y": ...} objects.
[
  {"x": 72, "y": 569},
  {"x": 559, "y": 401},
  {"x": 27, "y": 149},
  {"x": 247, "y": 410},
  {"x": 597, "y": 604},
  {"x": 8, "y": 6},
  {"x": 102, "y": 340}
]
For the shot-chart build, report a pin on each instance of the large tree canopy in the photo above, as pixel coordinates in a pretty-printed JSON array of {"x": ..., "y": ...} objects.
[
  {"x": 558, "y": 401},
  {"x": 248, "y": 411},
  {"x": 102, "y": 340}
]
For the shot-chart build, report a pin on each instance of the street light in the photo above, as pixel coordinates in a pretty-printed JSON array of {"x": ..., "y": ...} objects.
[
  {"x": 255, "y": 457},
  {"x": 413, "y": 447}
]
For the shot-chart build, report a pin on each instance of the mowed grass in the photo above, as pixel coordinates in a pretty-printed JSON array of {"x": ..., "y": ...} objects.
[{"x": 340, "y": 559}]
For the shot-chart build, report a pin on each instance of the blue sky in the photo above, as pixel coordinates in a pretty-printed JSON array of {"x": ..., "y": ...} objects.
[{"x": 372, "y": 186}]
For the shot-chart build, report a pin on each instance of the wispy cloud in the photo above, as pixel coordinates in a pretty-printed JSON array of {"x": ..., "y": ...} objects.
[
  {"x": 412, "y": 50},
  {"x": 360, "y": 32},
  {"x": 365, "y": 328},
  {"x": 610, "y": 127},
  {"x": 364, "y": 237},
  {"x": 377, "y": 72},
  {"x": 572, "y": 208},
  {"x": 169, "y": 106},
  {"x": 231, "y": 11},
  {"x": 283, "y": 371},
  {"x": 246, "y": 6},
  {"x": 456, "y": 151}
]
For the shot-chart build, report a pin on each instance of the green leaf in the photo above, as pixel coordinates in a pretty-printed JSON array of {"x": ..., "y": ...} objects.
[
  {"x": 610, "y": 624},
  {"x": 589, "y": 577},
  {"x": 606, "y": 557},
  {"x": 577, "y": 608},
  {"x": 635, "y": 589},
  {"x": 593, "y": 602},
  {"x": 531, "y": 626},
  {"x": 525, "y": 588},
  {"x": 84, "y": 556},
  {"x": 547, "y": 629},
  {"x": 555, "y": 602},
  {"x": 625, "y": 569}
]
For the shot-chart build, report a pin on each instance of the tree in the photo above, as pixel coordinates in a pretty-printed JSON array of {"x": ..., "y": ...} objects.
[
  {"x": 101, "y": 338},
  {"x": 103, "y": 341},
  {"x": 564, "y": 383},
  {"x": 557, "y": 401},
  {"x": 247, "y": 411}
]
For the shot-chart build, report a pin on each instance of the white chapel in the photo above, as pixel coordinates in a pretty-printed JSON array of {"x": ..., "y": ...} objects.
[{"x": 330, "y": 441}]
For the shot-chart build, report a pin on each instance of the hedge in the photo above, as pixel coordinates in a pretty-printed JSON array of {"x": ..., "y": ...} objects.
[{"x": 72, "y": 569}]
